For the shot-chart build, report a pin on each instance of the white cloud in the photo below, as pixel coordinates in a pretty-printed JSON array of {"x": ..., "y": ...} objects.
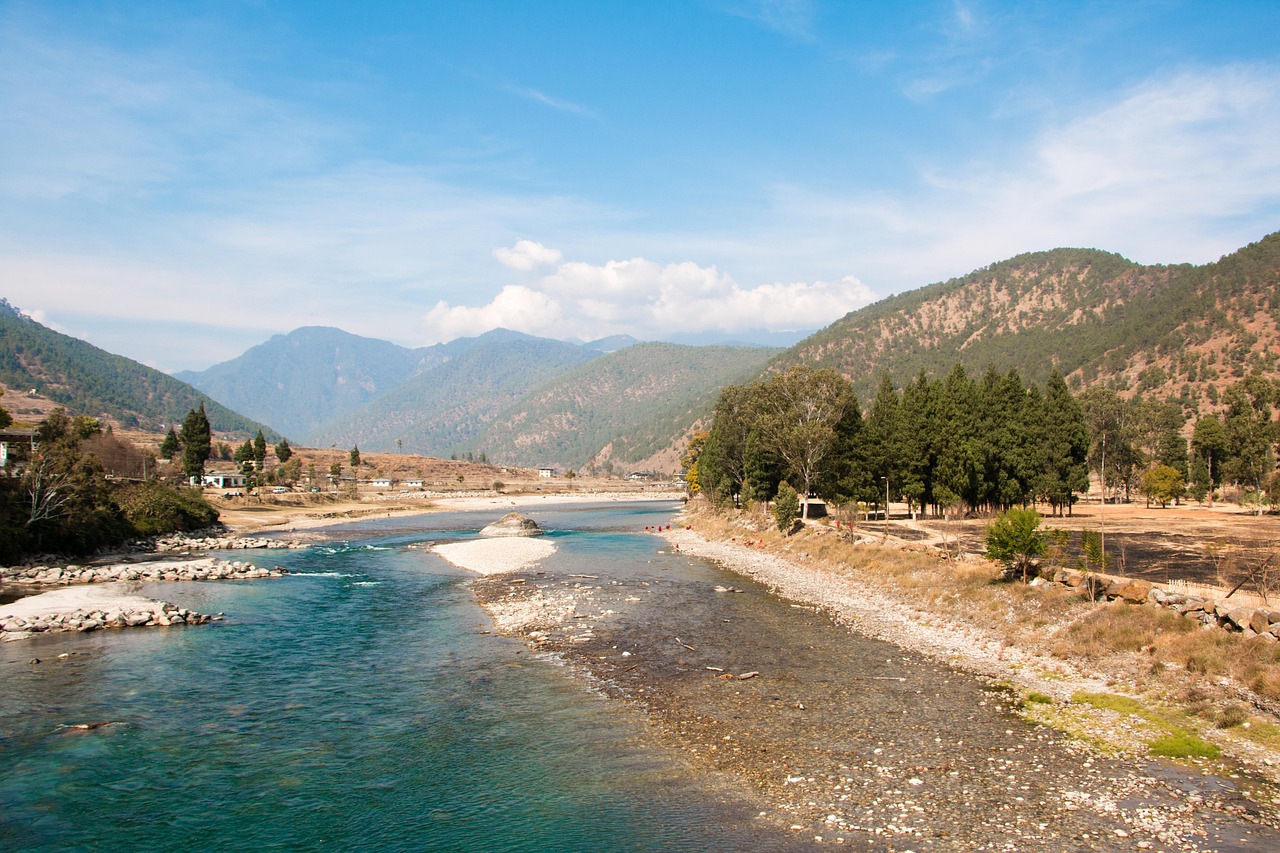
[
  {"x": 649, "y": 300},
  {"x": 526, "y": 255},
  {"x": 515, "y": 307}
]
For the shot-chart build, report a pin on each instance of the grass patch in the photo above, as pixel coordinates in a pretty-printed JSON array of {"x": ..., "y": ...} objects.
[
  {"x": 1184, "y": 745},
  {"x": 1038, "y": 698},
  {"x": 1111, "y": 702}
]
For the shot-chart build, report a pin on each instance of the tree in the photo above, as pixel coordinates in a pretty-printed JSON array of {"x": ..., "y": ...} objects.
[
  {"x": 244, "y": 453},
  {"x": 1016, "y": 540},
  {"x": 170, "y": 446},
  {"x": 802, "y": 409},
  {"x": 259, "y": 449},
  {"x": 353, "y": 458},
  {"x": 1209, "y": 445},
  {"x": 1251, "y": 433},
  {"x": 786, "y": 506},
  {"x": 283, "y": 451},
  {"x": 5, "y": 418},
  {"x": 689, "y": 460},
  {"x": 1064, "y": 450},
  {"x": 196, "y": 443},
  {"x": 1163, "y": 483}
]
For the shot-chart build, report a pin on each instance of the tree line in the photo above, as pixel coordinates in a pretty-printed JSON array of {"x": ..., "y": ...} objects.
[
  {"x": 56, "y": 495},
  {"x": 979, "y": 445}
]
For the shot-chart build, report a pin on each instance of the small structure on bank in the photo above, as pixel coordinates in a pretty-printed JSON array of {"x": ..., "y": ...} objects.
[{"x": 513, "y": 524}]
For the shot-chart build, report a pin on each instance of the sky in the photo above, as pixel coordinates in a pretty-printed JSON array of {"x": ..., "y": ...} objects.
[{"x": 180, "y": 181}]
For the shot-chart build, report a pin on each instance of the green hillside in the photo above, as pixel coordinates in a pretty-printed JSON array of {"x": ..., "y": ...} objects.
[
  {"x": 91, "y": 381},
  {"x": 622, "y": 409},
  {"x": 1181, "y": 332},
  {"x": 303, "y": 380},
  {"x": 443, "y": 409}
]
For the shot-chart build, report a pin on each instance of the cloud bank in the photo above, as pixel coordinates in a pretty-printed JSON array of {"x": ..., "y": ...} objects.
[{"x": 641, "y": 298}]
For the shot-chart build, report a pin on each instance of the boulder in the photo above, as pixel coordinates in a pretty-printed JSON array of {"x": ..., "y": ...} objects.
[
  {"x": 1260, "y": 621},
  {"x": 512, "y": 524},
  {"x": 1133, "y": 591}
]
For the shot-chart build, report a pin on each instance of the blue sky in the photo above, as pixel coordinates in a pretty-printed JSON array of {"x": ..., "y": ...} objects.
[{"x": 179, "y": 181}]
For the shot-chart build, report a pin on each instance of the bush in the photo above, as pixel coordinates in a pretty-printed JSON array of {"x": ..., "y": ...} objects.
[
  {"x": 1016, "y": 540},
  {"x": 786, "y": 506},
  {"x": 153, "y": 508}
]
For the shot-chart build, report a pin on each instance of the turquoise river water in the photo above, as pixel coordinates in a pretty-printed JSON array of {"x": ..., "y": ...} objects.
[{"x": 357, "y": 703}]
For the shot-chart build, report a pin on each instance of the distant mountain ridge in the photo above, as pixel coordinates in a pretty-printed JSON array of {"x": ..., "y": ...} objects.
[
  {"x": 1183, "y": 332},
  {"x": 91, "y": 381},
  {"x": 517, "y": 398}
]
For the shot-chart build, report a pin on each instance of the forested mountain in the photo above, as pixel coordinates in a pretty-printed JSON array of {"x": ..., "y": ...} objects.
[
  {"x": 619, "y": 411},
  {"x": 445, "y": 407},
  {"x": 1182, "y": 332},
  {"x": 300, "y": 381},
  {"x": 91, "y": 381}
]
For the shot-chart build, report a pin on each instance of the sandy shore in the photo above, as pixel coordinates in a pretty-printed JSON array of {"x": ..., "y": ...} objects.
[
  {"x": 496, "y": 556},
  {"x": 258, "y": 518},
  {"x": 107, "y": 596}
]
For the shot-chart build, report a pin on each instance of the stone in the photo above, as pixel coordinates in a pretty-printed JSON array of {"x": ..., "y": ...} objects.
[
  {"x": 1133, "y": 591},
  {"x": 512, "y": 524},
  {"x": 1260, "y": 621}
]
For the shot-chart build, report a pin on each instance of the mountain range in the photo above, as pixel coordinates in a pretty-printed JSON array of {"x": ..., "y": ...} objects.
[
  {"x": 518, "y": 398},
  {"x": 1182, "y": 332}
]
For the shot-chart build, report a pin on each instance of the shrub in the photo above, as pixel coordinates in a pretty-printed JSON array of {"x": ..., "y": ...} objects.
[
  {"x": 786, "y": 506},
  {"x": 1016, "y": 540},
  {"x": 154, "y": 508}
]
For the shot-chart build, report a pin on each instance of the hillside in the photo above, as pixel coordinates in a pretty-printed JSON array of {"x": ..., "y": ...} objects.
[
  {"x": 1181, "y": 332},
  {"x": 443, "y": 409},
  {"x": 300, "y": 381},
  {"x": 91, "y": 381},
  {"x": 622, "y": 409}
]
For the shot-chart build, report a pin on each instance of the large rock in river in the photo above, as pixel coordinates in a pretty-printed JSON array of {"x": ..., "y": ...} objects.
[{"x": 513, "y": 524}]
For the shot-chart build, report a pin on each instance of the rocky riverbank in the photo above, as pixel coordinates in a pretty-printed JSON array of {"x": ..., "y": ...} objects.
[
  {"x": 90, "y": 609},
  {"x": 201, "y": 569},
  {"x": 848, "y": 739}
]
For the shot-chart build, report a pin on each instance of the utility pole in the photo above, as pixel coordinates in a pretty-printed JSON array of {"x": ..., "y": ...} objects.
[
  {"x": 886, "y": 508},
  {"x": 1102, "y": 518}
]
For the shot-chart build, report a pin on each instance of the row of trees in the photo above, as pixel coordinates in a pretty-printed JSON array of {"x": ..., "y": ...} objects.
[
  {"x": 989, "y": 443},
  {"x": 986, "y": 444}
]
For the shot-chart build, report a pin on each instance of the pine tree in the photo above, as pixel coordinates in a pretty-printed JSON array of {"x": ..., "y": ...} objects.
[
  {"x": 196, "y": 442},
  {"x": 283, "y": 451},
  {"x": 259, "y": 449},
  {"x": 169, "y": 447}
]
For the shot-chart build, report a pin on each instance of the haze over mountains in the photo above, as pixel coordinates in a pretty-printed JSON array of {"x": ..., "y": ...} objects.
[
  {"x": 326, "y": 387},
  {"x": 1179, "y": 332}
]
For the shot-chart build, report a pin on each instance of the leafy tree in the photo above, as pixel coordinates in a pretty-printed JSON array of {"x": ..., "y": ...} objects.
[
  {"x": 153, "y": 508},
  {"x": 1251, "y": 432},
  {"x": 786, "y": 506},
  {"x": 802, "y": 411},
  {"x": 1163, "y": 483},
  {"x": 196, "y": 443},
  {"x": 1114, "y": 441},
  {"x": 1015, "y": 539},
  {"x": 290, "y": 471},
  {"x": 283, "y": 451},
  {"x": 5, "y": 418},
  {"x": 1209, "y": 444},
  {"x": 689, "y": 460},
  {"x": 353, "y": 458}
]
